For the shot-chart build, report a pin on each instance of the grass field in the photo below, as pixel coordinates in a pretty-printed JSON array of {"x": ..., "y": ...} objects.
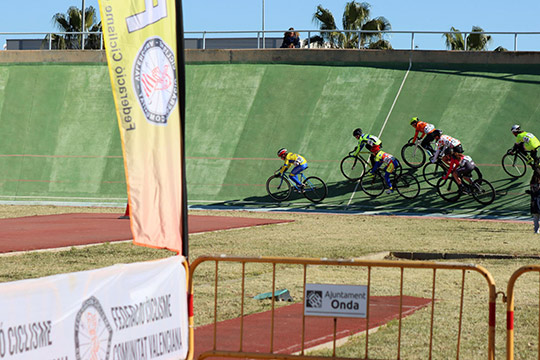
[{"x": 340, "y": 236}]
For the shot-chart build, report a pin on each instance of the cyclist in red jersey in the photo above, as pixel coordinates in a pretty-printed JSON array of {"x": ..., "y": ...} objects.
[{"x": 461, "y": 166}]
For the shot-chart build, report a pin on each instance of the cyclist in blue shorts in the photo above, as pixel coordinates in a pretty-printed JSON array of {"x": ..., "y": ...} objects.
[
  {"x": 299, "y": 162},
  {"x": 389, "y": 163}
]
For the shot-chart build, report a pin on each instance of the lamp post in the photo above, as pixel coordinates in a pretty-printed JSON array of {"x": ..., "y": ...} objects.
[
  {"x": 83, "y": 11},
  {"x": 263, "y": 40}
]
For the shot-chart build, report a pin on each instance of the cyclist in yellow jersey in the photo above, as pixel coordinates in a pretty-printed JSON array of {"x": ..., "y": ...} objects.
[
  {"x": 299, "y": 162},
  {"x": 526, "y": 144},
  {"x": 387, "y": 162}
]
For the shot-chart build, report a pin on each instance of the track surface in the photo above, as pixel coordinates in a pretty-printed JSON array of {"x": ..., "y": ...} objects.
[{"x": 56, "y": 231}]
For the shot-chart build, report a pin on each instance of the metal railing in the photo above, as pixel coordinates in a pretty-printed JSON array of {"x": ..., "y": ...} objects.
[
  {"x": 217, "y": 349},
  {"x": 261, "y": 36}
]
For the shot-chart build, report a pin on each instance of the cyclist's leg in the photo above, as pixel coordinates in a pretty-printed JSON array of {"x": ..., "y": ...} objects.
[
  {"x": 426, "y": 142},
  {"x": 294, "y": 174},
  {"x": 388, "y": 172}
]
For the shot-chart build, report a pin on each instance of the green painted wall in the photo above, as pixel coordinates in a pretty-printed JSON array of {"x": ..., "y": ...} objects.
[{"x": 61, "y": 118}]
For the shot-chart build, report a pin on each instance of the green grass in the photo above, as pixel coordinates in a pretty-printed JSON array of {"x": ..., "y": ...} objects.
[{"x": 340, "y": 236}]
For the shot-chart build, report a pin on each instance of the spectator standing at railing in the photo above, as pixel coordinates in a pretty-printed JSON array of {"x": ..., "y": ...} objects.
[
  {"x": 534, "y": 191},
  {"x": 291, "y": 39}
]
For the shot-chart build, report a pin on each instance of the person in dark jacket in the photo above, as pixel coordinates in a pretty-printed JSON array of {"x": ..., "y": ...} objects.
[
  {"x": 291, "y": 39},
  {"x": 535, "y": 201}
]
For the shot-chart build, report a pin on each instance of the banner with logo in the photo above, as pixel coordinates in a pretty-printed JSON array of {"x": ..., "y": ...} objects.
[
  {"x": 134, "y": 311},
  {"x": 141, "y": 45}
]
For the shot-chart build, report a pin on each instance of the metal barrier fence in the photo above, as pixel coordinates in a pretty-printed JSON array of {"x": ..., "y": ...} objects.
[
  {"x": 313, "y": 264},
  {"x": 258, "y": 39},
  {"x": 510, "y": 296}
]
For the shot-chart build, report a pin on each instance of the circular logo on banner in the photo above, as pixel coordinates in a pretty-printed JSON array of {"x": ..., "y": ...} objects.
[
  {"x": 93, "y": 333},
  {"x": 154, "y": 79}
]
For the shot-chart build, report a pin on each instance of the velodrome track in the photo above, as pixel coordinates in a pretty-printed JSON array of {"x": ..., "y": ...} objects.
[{"x": 61, "y": 142}]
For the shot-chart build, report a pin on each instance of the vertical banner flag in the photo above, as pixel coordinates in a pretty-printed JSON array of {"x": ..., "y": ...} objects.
[{"x": 141, "y": 44}]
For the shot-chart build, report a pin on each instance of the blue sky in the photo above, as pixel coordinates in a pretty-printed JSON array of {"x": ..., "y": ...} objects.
[{"x": 246, "y": 15}]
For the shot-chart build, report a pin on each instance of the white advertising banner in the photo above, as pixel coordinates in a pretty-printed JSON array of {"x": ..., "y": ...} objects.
[
  {"x": 335, "y": 300},
  {"x": 129, "y": 311}
]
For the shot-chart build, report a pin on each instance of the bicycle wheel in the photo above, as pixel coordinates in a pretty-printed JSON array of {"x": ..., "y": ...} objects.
[
  {"x": 372, "y": 185},
  {"x": 448, "y": 189},
  {"x": 433, "y": 172},
  {"x": 315, "y": 189},
  {"x": 352, "y": 167},
  {"x": 279, "y": 188},
  {"x": 483, "y": 191},
  {"x": 407, "y": 185},
  {"x": 514, "y": 165},
  {"x": 413, "y": 155}
]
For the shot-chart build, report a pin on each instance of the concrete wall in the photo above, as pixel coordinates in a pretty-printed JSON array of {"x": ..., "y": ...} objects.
[{"x": 295, "y": 56}]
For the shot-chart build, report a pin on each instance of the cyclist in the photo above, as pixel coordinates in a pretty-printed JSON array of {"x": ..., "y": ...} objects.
[
  {"x": 389, "y": 163},
  {"x": 461, "y": 167},
  {"x": 371, "y": 142},
  {"x": 300, "y": 164},
  {"x": 526, "y": 144},
  {"x": 426, "y": 132},
  {"x": 445, "y": 145}
]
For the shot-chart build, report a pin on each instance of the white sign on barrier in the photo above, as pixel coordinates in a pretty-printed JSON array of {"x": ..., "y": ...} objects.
[
  {"x": 335, "y": 300},
  {"x": 129, "y": 311}
]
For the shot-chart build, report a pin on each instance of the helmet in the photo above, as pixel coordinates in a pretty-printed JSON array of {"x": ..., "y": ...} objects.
[
  {"x": 282, "y": 152},
  {"x": 357, "y": 132},
  {"x": 414, "y": 119},
  {"x": 437, "y": 133},
  {"x": 516, "y": 128}
]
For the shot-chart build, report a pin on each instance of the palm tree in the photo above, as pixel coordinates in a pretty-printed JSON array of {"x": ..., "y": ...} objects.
[
  {"x": 71, "y": 22},
  {"x": 475, "y": 41},
  {"x": 356, "y": 17}
]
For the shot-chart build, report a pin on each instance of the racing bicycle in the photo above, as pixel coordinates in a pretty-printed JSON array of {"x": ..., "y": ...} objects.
[
  {"x": 413, "y": 154},
  {"x": 514, "y": 163},
  {"x": 405, "y": 184},
  {"x": 353, "y": 167},
  {"x": 280, "y": 187},
  {"x": 480, "y": 189},
  {"x": 432, "y": 172}
]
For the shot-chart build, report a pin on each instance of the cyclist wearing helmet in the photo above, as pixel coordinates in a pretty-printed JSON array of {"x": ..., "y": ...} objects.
[
  {"x": 300, "y": 164},
  {"x": 389, "y": 163},
  {"x": 427, "y": 133},
  {"x": 371, "y": 142},
  {"x": 445, "y": 145},
  {"x": 526, "y": 144},
  {"x": 461, "y": 166}
]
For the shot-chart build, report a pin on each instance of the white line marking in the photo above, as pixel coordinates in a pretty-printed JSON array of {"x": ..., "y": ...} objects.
[{"x": 397, "y": 95}]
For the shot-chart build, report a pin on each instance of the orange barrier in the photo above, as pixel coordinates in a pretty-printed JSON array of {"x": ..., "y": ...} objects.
[
  {"x": 368, "y": 264},
  {"x": 510, "y": 309}
]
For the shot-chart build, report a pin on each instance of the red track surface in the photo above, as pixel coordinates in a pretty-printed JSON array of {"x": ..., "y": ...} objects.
[
  {"x": 54, "y": 231},
  {"x": 288, "y": 327}
]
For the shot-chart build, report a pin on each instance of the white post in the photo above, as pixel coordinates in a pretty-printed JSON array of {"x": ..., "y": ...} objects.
[
  {"x": 263, "y": 40},
  {"x": 83, "y": 11}
]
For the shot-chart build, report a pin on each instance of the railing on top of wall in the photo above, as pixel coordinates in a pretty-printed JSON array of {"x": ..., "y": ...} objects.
[{"x": 257, "y": 39}]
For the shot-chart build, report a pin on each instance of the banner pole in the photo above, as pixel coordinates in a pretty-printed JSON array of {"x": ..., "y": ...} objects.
[{"x": 182, "y": 103}]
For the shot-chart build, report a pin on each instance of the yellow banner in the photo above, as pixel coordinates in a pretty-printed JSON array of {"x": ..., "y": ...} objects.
[{"x": 140, "y": 41}]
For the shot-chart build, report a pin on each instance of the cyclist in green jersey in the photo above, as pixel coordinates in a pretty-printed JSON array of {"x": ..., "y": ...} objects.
[{"x": 526, "y": 144}]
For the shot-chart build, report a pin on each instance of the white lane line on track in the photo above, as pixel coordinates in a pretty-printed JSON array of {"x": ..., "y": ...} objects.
[
  {"x": 354, "y": 192},
  {"x": 397, "y": 96}
]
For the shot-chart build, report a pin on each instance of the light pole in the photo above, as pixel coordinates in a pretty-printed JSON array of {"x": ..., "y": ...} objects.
[
  {"x": 83, "y": 11},
  {"x": 263, "y": 40}
]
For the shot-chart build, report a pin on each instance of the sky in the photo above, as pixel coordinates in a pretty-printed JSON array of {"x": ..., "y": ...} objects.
[{"x": 279, "y": 15}]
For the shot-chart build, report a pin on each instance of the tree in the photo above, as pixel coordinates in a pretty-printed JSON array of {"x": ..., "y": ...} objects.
[
  {"x": 71, "y": 22},
  {"x": 475, "y": 41},
  {"x": 356, "y": 17}
]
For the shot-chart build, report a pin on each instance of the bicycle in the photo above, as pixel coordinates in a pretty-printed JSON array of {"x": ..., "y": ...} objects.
[
  {"x": 353, "y": 167},
  {"x": 280, "y": 187},
  {"x": 514, "y": 163},
  {"x": 405, "y": 184},
  {"x": 413, "y": 154},
  {"x": 480, "y": 189},
  {"x": 432, "y": 172}
]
